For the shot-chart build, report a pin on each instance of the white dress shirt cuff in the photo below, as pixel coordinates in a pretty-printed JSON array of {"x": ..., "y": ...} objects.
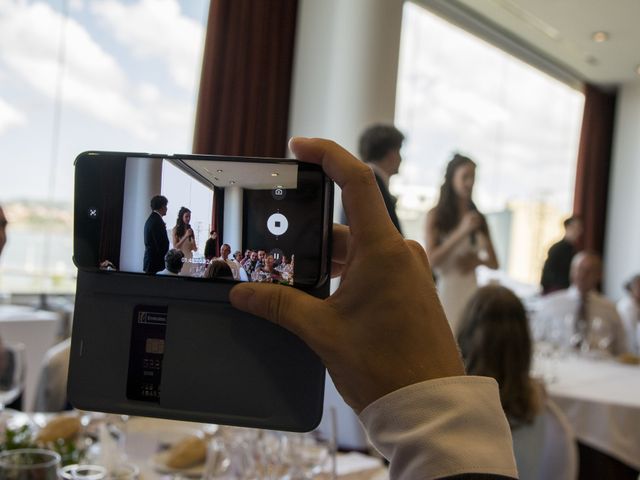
[{"x": 440, "y": 428}]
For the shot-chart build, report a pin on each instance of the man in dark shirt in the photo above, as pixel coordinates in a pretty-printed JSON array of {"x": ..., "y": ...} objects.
[
  {"x": 211, "y": 246},
  {"x": 379, "y": 147},
  {"x": 156, "y": 241},
  {"x": 555, "y": 272}
]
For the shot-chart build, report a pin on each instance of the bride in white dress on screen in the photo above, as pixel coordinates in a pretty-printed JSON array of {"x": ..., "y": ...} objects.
[
  {"x": 184, "y": 240},
  {"x": 458, "y": 239}
]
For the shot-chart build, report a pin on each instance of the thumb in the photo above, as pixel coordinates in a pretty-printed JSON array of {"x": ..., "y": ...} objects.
[{"x": 292, "y": 309}]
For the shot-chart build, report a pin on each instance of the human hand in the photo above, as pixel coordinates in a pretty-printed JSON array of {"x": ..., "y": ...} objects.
[
  {"x": 384, "y": 327},
  {"x": 471, "y": 221}
]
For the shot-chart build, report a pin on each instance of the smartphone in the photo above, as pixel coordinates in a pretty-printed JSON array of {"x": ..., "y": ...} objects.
[
  {"x": 203, "y": 218},
  {"x": 159, "y": 242}
]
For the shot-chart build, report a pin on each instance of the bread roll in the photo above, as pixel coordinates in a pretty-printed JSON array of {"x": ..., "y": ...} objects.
[
  {"x": 187, "y": 453},
  {"x": 64, "y": 427}
]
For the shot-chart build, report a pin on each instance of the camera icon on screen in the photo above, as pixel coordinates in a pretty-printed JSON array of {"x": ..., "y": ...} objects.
[{"x": 278, "y": 193}]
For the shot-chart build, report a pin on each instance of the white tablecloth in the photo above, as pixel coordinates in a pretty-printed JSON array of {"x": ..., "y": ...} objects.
[
  {"x": 602, "y": 401},
  {"x": 37, "y": 329}
]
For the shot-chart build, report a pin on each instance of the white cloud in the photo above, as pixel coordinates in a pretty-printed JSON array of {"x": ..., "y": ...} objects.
[
  {"x": 10, "y": 117},
  {"x": 94, "y": 81},
  {"x": 157, "y": 29}
]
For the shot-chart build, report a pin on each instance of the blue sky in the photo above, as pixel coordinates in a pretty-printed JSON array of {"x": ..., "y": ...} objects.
[{"x": 129, "y": 83}]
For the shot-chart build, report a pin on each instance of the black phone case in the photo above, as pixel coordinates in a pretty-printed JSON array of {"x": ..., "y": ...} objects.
[{"x": 219, "y": 365}]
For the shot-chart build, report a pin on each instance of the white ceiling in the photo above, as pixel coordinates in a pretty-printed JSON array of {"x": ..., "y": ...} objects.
[
  {"x": 562, "y": 31},
  {"x": 253, "y": 175}
]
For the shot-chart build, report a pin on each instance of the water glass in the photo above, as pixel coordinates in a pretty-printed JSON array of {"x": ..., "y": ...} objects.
[
  {"x": 29, "y": 464},
  {"x": 83, "y": 472}
]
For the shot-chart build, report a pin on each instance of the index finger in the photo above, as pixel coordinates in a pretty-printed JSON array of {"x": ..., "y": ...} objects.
[{"x": 361, "y": 197}]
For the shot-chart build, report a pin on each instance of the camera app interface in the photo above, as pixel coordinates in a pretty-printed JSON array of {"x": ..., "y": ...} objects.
[{"x": 216, "y": 220}]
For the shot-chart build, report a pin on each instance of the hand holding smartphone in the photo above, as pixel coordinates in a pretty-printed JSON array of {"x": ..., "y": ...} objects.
[{"x": 159, "y": 242}]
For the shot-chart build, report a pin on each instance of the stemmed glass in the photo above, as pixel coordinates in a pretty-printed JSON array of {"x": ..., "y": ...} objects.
[{"x": 12, "y": 372}]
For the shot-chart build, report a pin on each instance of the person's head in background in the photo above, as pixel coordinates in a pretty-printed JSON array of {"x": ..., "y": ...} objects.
[
  {"x": 380, "y": 145},
  {"x": 225, "y": 250},
  {"x": 183, "y": 221},
  {"x": 212, "y": 234},
  {"x": 455, "y": 191},
  {"x": 3, "y": 230},
  {"x": 218, "y": 269},
  {"x": 633, "y": 287},
  {"x": 237, "y": 255},
  {"x": 261, "y": 255},
  {"x": 159, "y": 204},
  {"x": 586, "y": 271},
  {"x": 494, "y": 340},
  {"x": 253, "y": 256},
  {"x": 573, "y": 229},
  {"x": 173, "y": 260}
]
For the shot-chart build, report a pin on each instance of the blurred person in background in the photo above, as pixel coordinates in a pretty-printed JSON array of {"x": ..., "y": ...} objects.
[
  {"x": 555, "y": 272},
  {"x": 494, "y": 340},
  {"x": 379, "y": 147},
  {"x": 458, "y": 239},
  {"x": 629, "y": 311},
  {"x": 3, "y": 230},
  {"x": 583, "y": 318}
]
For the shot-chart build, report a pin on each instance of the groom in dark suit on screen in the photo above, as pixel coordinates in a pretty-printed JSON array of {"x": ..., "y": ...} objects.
[{"x": 156, "y": 241}]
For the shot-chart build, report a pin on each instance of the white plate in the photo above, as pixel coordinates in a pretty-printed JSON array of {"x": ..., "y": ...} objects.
[{"x": 158, "y": 462}]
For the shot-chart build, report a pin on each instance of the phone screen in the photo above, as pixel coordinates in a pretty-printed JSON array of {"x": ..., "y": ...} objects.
[{"x": 202, "y": 217}]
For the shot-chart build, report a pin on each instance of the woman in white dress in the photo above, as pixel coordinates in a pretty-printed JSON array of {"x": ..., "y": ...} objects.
[
  {"x": 184, "y": 240},
  {"x": 458, "y": 239}
]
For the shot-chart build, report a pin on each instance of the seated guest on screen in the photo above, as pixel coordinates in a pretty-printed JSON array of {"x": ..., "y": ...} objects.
[
  {"x": 218, "y": 269},
  {"x": 210, "y": 246},
  {"x": 156, "y": 241},
  {"x": 495, "y": 342},
  {"x": 555, "y": 272},
  {"x": 250, "y": 264},
  {"x": 267, "y": 272},
  {"x": 409, "y": 388},
  {"x": 262, "y": 255},
  {"x": 237, "y": 256},
  {"x": 586, "y": 319},
  {"x": 174, "y": 261},
  {"x": 629, "y": 310},
  {"x": 225, "y": 251}
]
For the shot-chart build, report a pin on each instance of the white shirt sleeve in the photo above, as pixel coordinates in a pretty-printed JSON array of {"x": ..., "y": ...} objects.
[{"x": 440, "y": 428}]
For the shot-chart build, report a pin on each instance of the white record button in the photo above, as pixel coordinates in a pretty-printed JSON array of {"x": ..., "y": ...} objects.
[{"x": 277, "y": 224}]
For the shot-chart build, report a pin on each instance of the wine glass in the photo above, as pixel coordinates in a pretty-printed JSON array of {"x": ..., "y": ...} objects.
[
  {"x": 29, "y": 464},
  {"x": 12, "y": 372}
]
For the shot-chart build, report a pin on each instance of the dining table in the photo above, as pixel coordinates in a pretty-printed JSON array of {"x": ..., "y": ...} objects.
[{"x": 600, "y": 396}]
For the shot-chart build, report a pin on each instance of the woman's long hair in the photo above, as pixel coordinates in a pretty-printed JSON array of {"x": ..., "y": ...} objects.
[
  {"x": 181, "y": 227},
  {"x": 495, "y": 342},
  {"x": 446, "y": 211}
]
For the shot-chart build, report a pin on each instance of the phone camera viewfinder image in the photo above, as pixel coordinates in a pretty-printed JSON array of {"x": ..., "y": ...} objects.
[{"x": 210, "y": 218}]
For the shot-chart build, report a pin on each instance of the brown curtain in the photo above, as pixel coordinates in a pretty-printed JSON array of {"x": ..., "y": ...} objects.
[
  {"x": 243, "y": 103},
  {"x": 594, "y": 161}
]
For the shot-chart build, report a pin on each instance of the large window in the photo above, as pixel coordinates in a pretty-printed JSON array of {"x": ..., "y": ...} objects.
[
  {"x": 81, "y": 75},
  {"x": 456, "y": 93}
]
